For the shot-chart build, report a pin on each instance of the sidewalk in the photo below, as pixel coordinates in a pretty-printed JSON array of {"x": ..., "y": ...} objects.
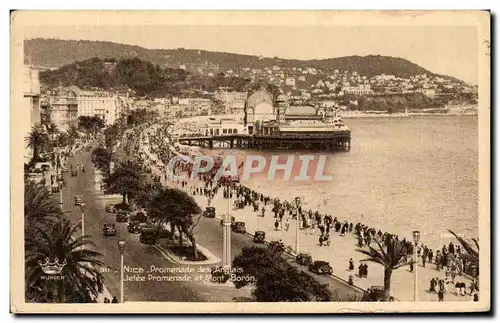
[{"x": 339, "y": 252}]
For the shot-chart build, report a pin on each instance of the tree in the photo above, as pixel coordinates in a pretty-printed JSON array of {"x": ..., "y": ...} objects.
[
  {"x": 274, "y": 279},
  {"x": 38, "y": 141},
  {"x": 471, "y": 250},
  {"x": 112, "y": 135},
  {"x": 127, "y": 179},
  {"x": 180, "y": 210},
  {"x": 101, "y": 159},
  {"x": 81, "y": 282},
  {"x": 62, "y": 139},
  {"x": 40, "y": 209},
  {"x": 52, "y": 130},
  {"x": 391, "y": 257},
  {"x": 73, "y": 133},
  {"x": 90, "y": 124}
]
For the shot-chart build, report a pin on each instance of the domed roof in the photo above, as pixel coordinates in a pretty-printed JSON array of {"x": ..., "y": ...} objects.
[
  {"x": 258, "y": 97},
  {"x": 305, "y": 110}
]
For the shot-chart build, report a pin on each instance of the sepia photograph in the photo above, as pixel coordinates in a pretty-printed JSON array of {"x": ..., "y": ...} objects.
[{"x": 250, "y": 161}]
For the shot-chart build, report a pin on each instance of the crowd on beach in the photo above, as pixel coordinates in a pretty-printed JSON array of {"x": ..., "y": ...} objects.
[{"x": 449, "y": 258}]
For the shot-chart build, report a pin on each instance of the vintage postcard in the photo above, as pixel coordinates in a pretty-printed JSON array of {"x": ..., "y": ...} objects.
[{"x": 250, "y": 162}]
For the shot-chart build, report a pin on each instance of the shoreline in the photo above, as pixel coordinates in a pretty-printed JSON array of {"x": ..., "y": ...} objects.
[{"x": 443, "y": 238}]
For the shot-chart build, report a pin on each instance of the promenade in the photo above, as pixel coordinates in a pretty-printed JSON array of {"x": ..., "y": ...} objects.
[{"x": 338, "y": 253}]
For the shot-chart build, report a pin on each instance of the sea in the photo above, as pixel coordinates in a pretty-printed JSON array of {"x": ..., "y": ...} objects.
[{"x": 400, "y": 175}]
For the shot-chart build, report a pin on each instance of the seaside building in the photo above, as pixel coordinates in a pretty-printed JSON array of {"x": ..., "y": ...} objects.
[
  {"x": 234, "y": 102},
  {"x": 61, "y": 107},
  {"x": 31, "y": 101},
  {"x": 102, "y": 104}
]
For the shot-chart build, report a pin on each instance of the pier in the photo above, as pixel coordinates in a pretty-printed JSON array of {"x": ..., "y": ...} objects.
[{"x": 335, "y": 141}]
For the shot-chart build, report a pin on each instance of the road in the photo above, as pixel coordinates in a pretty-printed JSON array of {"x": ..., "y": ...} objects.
[{"x": 136, "y": 255}]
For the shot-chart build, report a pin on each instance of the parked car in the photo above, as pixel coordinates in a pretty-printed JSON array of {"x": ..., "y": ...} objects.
[
  {"x": 110, "y": 208},
  {"x": 304, "y": 259},
  {"x": 239, "y": 227},
  {"x": 74, "y": 172},
  {"x": 374, "y": 294},
  {"x": 321, "y": 267},
  {"x": 259, "y": 237},
  {"x": 133, "y": 227},
  {"x": 149, "y": 236},
  {"x": 140, "y": 217},
  {"x": 109, "y": 230},
  {"x": 121, "y": 216},
  {"x": 209, "y": 212},
  {"x": 56, "y": 189},
  {"x": 79, "y": 200}
]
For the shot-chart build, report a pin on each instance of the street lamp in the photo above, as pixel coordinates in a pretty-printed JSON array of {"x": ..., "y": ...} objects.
[
  {"x": 61, "y": 182},
  {"x": 82, "y": 208},
  {"x": 226, "y": 238},
  {"x": 297, "y": 202},
  {"x": 121, "y": 246},
  {"x": 416, "y": 238}
]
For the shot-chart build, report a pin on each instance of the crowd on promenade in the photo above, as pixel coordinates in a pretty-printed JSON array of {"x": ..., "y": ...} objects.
[{"x": 451, "y": 258}]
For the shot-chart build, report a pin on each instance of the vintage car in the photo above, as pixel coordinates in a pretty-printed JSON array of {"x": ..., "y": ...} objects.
[
  {"x": 140, "y": 217},
  {"x": 374, "y": 294},
  {"x": 74, "y": 172},
  {"x": 149, "y": 236},
  {"x": 109, "y": 230},
  {"x": 79, "y": 200},
  {"x": 321, "y": 267},
  {"x": 239, "y": 227},
  {"x": 64, "y": 169},
  {"x": 133, "y": 227},
  {"x": 259, "y": 237},
  {"x": 304, "y": 259},
  {"x": 232, "y": 220},
  {"x": 209, "y": 212},
  {"x": 56, "y": 189},
  {"x": 110, "y": 208},
  {"x": 121, "y": 216}
]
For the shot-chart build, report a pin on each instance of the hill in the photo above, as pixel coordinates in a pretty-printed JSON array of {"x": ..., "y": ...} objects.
[
  {"x": 145, "y": 78},
  {"x": 57, "y": 53}
]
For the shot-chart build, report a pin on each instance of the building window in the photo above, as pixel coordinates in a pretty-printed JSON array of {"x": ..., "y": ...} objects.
[
  {"x": 235, "y": 131},
  {"x": 224, "y": 130}
]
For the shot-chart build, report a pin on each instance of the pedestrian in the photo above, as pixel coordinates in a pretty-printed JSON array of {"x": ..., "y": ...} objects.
[
  {"x": 411, "y": 266},
  {"x": 432, "y": 285},
  {"x": 287, "y": 224},
  {"x": 440, "y": 296},
  {"x": 276, "y": 225},
  {"x": 114, "y": 300},
  {"x": 321, "y": 240},
  {"x": 351, "y": 264},
  {"x": 351, "y": 282}
]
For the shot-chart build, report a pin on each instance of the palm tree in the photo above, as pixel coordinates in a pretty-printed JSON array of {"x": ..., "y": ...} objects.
[
  {"x": 52, "y": 129},
  {"x": 73, "y": 133},
  {"x": 471, "y": 251},
  {"x": 81, "y": 282},
  {"x": 37, "y": 140},
  {"x": 391, "y": 257},
  {"x": 40, "y": 209}
]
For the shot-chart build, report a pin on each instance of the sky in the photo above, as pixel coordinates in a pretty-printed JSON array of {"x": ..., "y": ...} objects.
[{"x": 448, "y": 50}]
